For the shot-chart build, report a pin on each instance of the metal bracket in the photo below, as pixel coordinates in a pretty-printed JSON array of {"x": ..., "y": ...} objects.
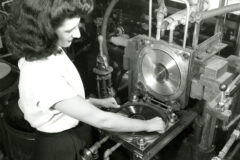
[{"x": 209, "y": 47}]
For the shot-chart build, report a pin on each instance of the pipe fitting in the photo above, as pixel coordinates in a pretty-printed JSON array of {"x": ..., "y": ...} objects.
[
  {"x": 109, "y": 151},
  {"x": 93, "y": 150}
]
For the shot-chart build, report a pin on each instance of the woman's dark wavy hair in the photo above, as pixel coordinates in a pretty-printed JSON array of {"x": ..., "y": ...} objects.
[{"x": 31, "y": 29}]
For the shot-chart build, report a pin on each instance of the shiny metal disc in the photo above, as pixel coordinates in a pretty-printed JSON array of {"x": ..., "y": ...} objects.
[{"x": 160, "y": 72}]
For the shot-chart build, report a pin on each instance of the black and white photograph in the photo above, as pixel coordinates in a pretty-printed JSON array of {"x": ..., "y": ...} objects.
[{"x": 119, "y": 79}]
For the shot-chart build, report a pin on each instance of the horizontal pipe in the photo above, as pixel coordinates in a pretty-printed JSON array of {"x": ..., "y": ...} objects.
[{"x": 219, "y": 11}]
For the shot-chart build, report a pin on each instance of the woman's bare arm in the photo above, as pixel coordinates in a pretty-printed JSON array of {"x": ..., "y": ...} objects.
[{"x": 84, "y": 111}]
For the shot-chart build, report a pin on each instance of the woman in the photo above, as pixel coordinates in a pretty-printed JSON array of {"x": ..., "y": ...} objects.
[{"x": 51, "y": 92}]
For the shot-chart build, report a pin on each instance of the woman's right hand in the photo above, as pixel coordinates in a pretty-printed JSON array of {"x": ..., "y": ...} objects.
[{"x": 156, "y": 124}]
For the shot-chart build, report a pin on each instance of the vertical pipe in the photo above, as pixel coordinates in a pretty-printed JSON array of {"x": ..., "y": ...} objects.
[
  {"x": 237, "y": 52},
  {"x": 212, "y": 132},
  {"x": 159, "y": 23},
  {"x": 197, "y": 26},
  {"x": 171, "y": 32},
  {"x": 220, "y": 22},
  {"x": 186, "y": 25},
  {"x": 206, "y": 131},
  {"x": 205, "y": 148},
  {"x": 98, "y": 88},
  {"x": 100, "y": 41},
  {"x": 150, "y": 19},
  {"x": 104, "y": 87},
  {"x": 196, "y": 35},
  {"x": 160, "y": 16}
]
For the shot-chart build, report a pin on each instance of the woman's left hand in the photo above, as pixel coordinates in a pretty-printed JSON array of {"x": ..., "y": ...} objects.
[{"x": 109, "y": 103}]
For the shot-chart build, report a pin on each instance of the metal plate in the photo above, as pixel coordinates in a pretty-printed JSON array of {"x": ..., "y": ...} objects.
[{"x": 162, "y": 71}]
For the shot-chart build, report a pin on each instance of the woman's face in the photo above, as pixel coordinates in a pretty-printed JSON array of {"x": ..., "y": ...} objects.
[{"x": 68, "y": 31}]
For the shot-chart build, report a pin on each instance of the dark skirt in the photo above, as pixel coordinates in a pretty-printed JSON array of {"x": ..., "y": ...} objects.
[{"x": 66, "y": 145}]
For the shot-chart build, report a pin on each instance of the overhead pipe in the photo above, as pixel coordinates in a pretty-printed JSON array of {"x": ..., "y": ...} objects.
[
  {"x": 107, "y": 15},
  {"x": 172, "y": 20},
  {"x": 215, "y": 12},
  {"x": 220, "y": 22}
]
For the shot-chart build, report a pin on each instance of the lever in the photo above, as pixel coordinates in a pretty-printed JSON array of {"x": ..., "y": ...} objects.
[{"x": 223, "y": 87}]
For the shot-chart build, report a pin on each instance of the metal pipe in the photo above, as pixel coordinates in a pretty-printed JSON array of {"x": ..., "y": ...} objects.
[
  {"x": 197, "y": 26},
  {"x": 232, "y": 85},
  {"x": 228, "y": 145},
  {"x": 215, "y": 12},
  {"x": 208, "y": 131},
  {"x": 220, "y": 22},
  {"x": 109, "y": 151},
  {"x": 234, "y": 152},
  {"x": 89, "y": 153},
  {"x": 98, "y": 87},
  {"x": 186, "y": 24},
  {"x": 100, "y": 41},
  {"x": 150, "y": 19},
  {"x": 172, "y": 29},
  {"x": 171, "y": 32},
  {"x": 161, "y": 12},
  {"x": 5, "y": 55},
  {"x": 231, "y": 123},
  {"x": 196, "y": 35},
  {"x": 237, "y": 52},
  {"x": 6, "y": 2},
  {"x": 5, "y": 13},
  {"x": 159, "y": 23}
]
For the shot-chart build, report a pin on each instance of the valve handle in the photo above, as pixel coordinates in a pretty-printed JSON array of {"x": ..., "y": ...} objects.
[{"x": 223, "y": 87}]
